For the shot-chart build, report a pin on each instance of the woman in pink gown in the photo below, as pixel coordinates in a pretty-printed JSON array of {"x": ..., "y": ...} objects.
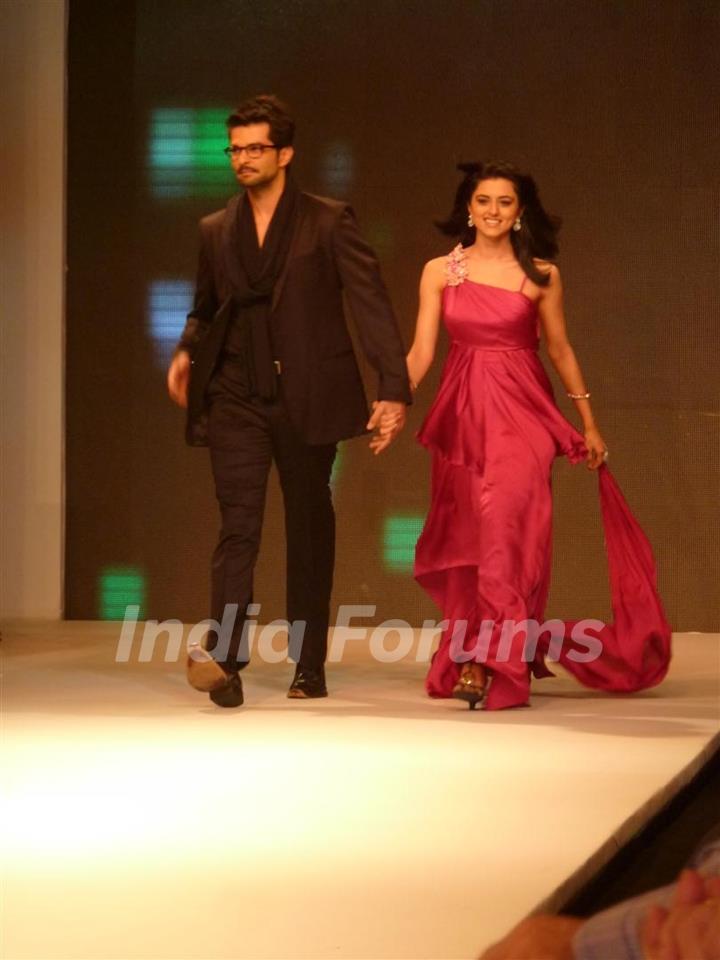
[{"x": 494, "y": 430}]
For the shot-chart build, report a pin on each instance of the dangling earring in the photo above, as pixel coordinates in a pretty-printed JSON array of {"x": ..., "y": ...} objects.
[
  {"x": 471, "y": 222},
  {"x": 517, "y": 225}
]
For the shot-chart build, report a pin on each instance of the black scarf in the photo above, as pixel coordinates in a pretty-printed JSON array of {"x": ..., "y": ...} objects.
[{"x": 256, "y": 271}]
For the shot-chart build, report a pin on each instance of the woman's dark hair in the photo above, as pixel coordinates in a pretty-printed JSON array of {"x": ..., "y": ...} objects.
[
  {"x": 537, "y": 236},
  {"x": 265, "y": 109}
]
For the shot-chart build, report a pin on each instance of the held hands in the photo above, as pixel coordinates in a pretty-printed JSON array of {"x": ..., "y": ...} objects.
[
  {"x": 542, "y": 937},
  {"x": 178, "y": 378},
  {"x": 690, "y": 927},
  {"x": 388, "y": 419},
  {"x": 597, "y": 450}
]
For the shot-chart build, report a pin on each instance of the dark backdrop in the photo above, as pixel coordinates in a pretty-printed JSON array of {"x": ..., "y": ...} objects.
[{"x": 610, "y": 105}]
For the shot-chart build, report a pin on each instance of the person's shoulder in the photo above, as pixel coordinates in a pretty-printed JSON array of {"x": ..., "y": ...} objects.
[
  {"x": 434, "y": 272},
  {"x": 326, "y": 205},
  {"x": 212, "y": 221},
  {"x": 436, "y": 266},
  {"x": 326, "y": 212}
]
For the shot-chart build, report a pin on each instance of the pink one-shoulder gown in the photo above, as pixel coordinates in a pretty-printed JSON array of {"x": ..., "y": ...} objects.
[{"x": 485, "y": 551}]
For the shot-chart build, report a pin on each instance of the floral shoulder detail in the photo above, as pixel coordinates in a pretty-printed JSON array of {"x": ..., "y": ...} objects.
[{"x": 456, "y": 269}]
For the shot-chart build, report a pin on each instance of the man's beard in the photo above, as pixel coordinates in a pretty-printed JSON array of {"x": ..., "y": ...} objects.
[{"x": 258, "y": 180}]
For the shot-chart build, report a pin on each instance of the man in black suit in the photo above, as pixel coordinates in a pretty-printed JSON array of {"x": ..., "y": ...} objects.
[{"x": 266, "y": 368}]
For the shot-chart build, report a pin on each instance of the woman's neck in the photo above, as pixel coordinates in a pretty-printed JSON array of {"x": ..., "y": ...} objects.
[{"x": 486, "y": 248}]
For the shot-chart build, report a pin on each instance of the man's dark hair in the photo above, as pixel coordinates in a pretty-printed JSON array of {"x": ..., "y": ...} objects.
[{"x": 265, "y": 109}]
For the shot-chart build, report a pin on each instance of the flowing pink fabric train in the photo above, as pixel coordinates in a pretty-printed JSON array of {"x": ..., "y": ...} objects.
[{"x": 485, "y": 550}]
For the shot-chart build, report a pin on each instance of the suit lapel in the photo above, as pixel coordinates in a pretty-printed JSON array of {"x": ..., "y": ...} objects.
[
  {"x": 230, "y": 256},
  {"x": 297, "y": 227}
]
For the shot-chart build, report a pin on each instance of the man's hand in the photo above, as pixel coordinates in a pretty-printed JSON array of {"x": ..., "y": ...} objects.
[
  {"x": 178, "y": 378},
  {"x": 690, "y": 928},
  {"x": 388, "y": 418},
  {"x": 543, "y": 937}
]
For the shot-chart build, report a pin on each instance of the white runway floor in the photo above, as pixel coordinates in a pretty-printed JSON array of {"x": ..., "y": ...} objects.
[{"x": 143, "y": 822}]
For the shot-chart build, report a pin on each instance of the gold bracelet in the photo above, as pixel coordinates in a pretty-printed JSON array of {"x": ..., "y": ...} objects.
[{"x": 579, "y": 396}]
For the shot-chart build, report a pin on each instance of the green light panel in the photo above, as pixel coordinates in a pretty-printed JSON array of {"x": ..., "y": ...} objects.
[
  {"x": 381, "y": 238},
  {"x": 336, "y": 471},
  {"x": 120, "y": 587},
  {"x": 185, "y": 153},
  {"x": 400, "y": 535}
]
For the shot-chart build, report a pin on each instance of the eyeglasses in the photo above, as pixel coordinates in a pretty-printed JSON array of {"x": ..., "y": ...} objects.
[{"x": 253, "y": 150}]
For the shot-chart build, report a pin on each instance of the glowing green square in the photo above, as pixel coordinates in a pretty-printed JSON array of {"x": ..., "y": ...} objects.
[
  {"x": 185, "y": 153},
  {"x": 209, "y": 140},
  {"x": 120, "y": 587},
  {"x": 400, "y": 535}
]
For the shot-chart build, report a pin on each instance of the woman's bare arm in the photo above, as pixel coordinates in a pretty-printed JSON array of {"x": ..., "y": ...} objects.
[
  {"x": 422, "y": 352},
  {"x": 562, "y": 356}
]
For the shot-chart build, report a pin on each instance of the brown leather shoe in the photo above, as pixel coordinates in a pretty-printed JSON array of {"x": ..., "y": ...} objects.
[
  {"x": 231, "y": 695},
  {"x": 203, "y": 672}
]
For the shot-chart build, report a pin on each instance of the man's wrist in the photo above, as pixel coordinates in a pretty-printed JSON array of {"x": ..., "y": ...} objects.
[{"x": 395, "y": 399}]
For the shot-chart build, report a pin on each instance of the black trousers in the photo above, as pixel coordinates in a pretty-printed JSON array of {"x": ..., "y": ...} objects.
[{"x": 245, "y": 436}]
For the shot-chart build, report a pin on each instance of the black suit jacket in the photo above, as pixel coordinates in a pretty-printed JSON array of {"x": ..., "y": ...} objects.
[{"x": 328, "y": 263}]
